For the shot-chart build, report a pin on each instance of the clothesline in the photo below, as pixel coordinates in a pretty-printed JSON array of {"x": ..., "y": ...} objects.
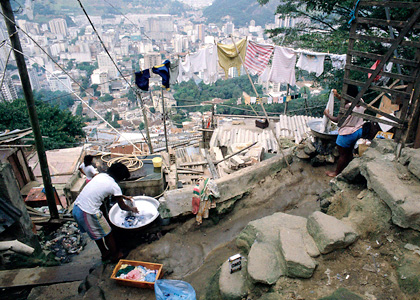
[{"x": 254, "y": 56}]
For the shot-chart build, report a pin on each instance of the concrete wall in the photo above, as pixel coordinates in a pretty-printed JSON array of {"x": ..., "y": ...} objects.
[{"x": 178, "y": 202}]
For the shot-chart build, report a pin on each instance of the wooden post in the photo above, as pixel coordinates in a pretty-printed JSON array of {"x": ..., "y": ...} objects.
[
  {"x": 265, "y": 113},
  {"x": 146, "y": 123},
  {"x": 164, "y": 122},
  {"x": 30, "y": 103},
  {"x": 212, "y": 116},
  {"x": 285, "y": 103}
]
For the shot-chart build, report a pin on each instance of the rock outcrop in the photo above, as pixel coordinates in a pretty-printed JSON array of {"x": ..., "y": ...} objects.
[
  {"x": 233, "y": 286},
  {"x": 330, "y": 233},
  {"x": 396, "y": 182},
  {"x": 285, "y": 245}
]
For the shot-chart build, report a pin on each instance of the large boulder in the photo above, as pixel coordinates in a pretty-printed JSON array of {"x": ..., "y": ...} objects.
[
  {"x": 264, "y": 264},
  {"x": 292, "y": 249},
  {"x": 414, "y": 164},
  {"x": 267, "y": 230},
  {"x": 330, "y": 233},
  {"x": 233, "y": 286},
  {"x": 409, "y": 276},
  {"x": 401, "y": 195}
]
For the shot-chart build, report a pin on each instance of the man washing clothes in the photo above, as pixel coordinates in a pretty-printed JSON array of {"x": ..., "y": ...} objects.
[{"x": 87, "y": 211}]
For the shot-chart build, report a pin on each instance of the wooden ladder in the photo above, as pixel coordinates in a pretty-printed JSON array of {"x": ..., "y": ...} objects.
[{"x": 405, "y": 72}]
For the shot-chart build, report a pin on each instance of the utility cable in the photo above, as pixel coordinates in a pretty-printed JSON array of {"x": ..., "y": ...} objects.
[
  {"x": 69, "y": 77},
  {"x": 102, "y": 43},
  {"x": 87, "y": 105}
]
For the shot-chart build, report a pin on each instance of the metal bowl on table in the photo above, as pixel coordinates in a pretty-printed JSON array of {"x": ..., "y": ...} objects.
[{"x": 316, "y": 129}]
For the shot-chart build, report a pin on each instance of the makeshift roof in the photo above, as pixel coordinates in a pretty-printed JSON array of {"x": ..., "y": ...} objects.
[
  {"x": 7, "y": 137},
  {"x": 62, "y": 163}
]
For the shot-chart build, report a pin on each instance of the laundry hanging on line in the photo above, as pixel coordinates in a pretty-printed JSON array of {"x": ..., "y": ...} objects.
[
  {"x": 163, "y": 71},
  {"x": 142, "y": 79},
  {"x": 257, "y": 57},
  {"x": 228, "y": 56},
  {"x": 283, "y": 66},
  {"x": 311, "y": 62}
]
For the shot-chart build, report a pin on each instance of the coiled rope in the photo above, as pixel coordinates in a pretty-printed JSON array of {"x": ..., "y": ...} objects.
[{"x": 132, "y": 162}]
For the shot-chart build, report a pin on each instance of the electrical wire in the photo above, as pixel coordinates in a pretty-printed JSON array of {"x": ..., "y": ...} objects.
[
  {"x": 84, "y": 102},
  {"x": 69, "y": 88},
  {"x": 102, "y": 43}
]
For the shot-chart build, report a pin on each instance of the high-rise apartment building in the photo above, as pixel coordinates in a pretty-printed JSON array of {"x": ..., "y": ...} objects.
[
  {"x": 59, "y": 82},
  {"x": 151, "y": 60},
  {"x": 58, "y": 26},
  {"x": 8, "y": 90},
  {"x": 201, "y": 32},
  {"x": 34, "y": 79},
  {"x": 105, "y": 63}
]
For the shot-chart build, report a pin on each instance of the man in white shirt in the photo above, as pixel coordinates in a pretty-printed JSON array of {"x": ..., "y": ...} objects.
[{"x": 87, "y": 211}]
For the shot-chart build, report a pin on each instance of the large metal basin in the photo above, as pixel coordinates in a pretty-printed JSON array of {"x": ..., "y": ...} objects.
[
  {"x": 148, "y": 212},
  {"x": 315, "y": 126}
]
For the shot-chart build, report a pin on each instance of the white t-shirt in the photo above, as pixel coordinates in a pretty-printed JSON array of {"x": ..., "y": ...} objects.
[
  {"x": 90, "y": 170},
  {"x": 93, "y": 194}
]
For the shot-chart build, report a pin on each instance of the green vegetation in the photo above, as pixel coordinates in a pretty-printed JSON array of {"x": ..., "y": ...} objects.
[
  {"x": 112, "y": 119},
  {"x": 241, "y": 12},
  {"x": 189, "y": 93},
  {"x": 89, "y": 68},
  {"x": 61, "y": 129},
  {"x": 106, "y": 98},
  {"x": 79, "y": 110},
  {"x": 61, "y": 99}
]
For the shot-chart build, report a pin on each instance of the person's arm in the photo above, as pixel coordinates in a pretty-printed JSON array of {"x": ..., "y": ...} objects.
[
  {"x": 81, "y": 171},
  {"x": 332, "y": 118},
  {"x": 327, "y": 111},
  {"x": 123, "y": 206}
]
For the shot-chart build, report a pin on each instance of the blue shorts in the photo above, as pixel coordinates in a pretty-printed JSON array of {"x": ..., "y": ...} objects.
[{"x": 349, "y": 140}]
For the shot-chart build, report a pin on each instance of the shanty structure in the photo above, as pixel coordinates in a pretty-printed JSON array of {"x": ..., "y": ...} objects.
[
  {"x": 386, "y": 73},
  {"x": 11, "y": 151}
]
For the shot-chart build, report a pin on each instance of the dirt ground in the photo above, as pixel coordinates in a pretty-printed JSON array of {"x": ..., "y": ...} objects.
[
  {"x": 367, "y": 267},
  {"x": 195, "y": 253}
]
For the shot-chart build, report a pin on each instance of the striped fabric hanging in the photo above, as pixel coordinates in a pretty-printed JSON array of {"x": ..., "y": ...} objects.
[{"x": 257, "y": 57}]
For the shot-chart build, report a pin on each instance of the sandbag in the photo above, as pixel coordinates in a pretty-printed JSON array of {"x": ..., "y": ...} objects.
[{"x": 166, "y": 289}]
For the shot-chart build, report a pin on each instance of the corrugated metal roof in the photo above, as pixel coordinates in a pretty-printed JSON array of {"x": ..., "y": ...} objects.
[{"x": 291, "y": 127}]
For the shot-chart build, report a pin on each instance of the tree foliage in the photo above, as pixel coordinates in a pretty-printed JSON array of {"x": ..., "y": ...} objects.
[
  {"x": 241, "y": 12},
  {"x": 60, "y": 127},
  {"x": 61, "y": 99},
  {"x": 187, "y": 93},
  {"x": 323, "y": 26}
]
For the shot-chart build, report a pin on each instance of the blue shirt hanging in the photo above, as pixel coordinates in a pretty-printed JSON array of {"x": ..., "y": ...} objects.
[
  {"x": 163, "y": 71},
  {"x": 142, "y": 79}
]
